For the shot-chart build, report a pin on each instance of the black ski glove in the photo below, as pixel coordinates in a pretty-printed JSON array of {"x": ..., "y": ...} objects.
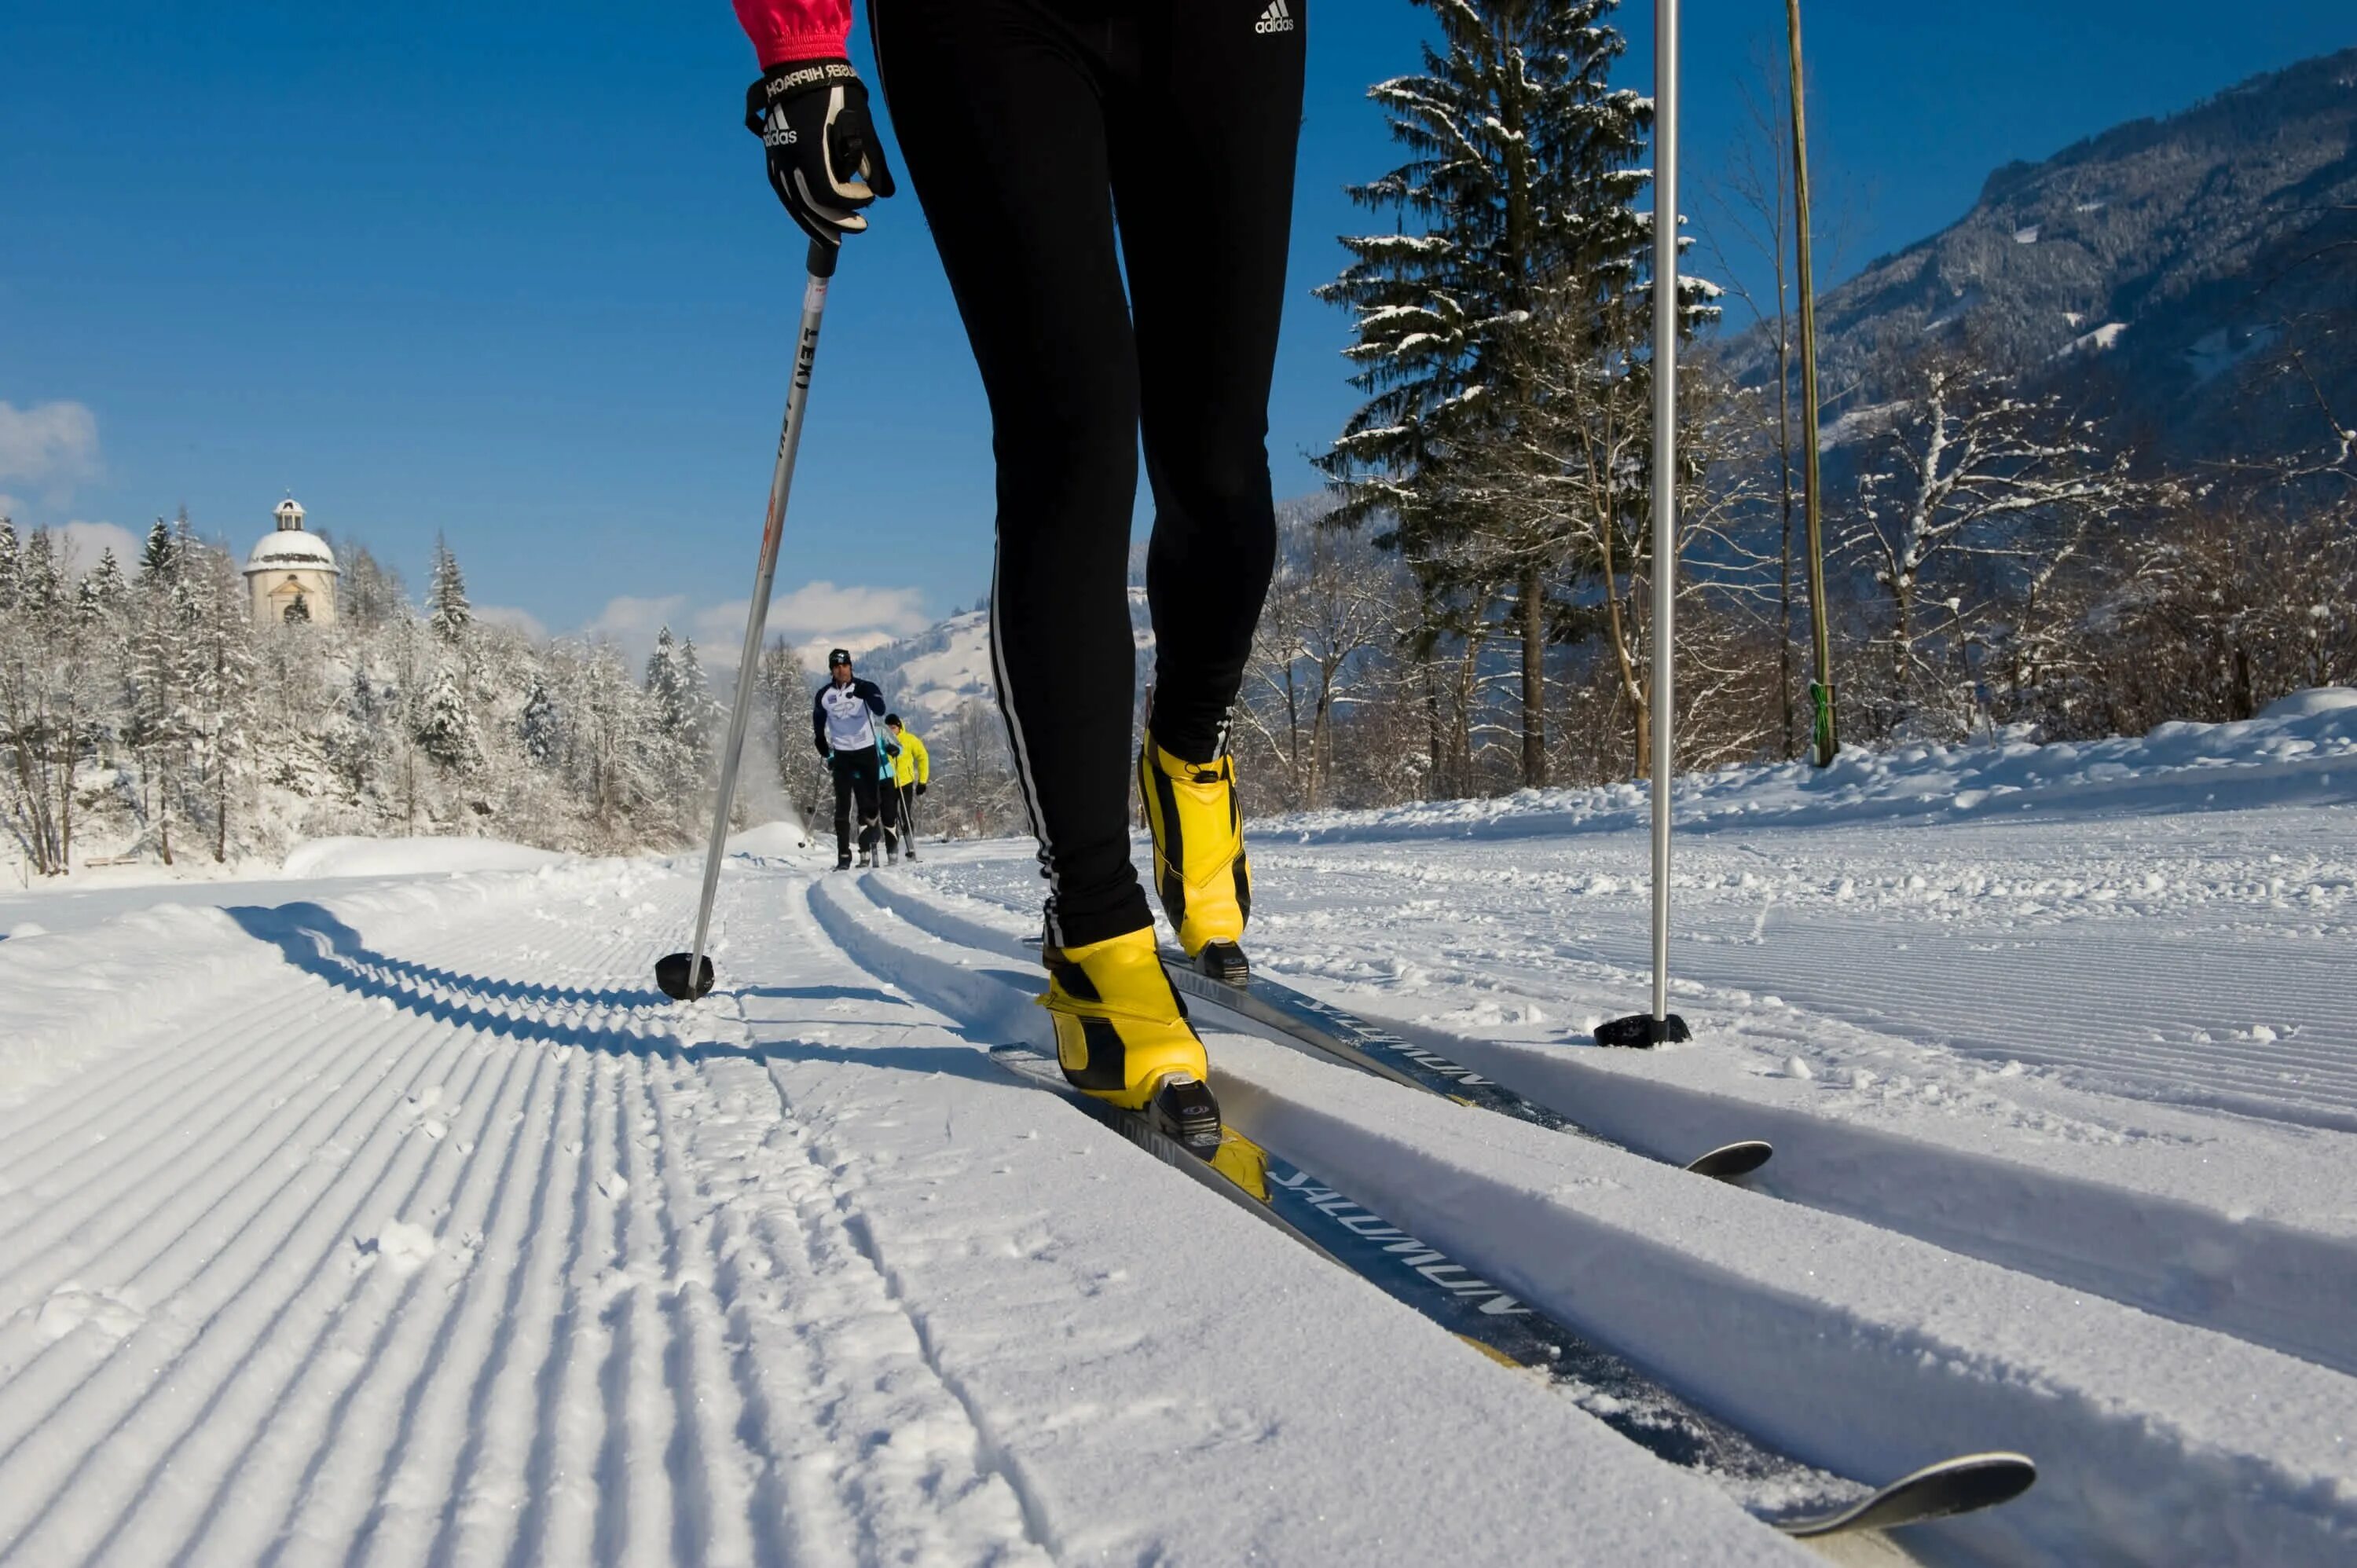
[
  {"x": 827, "y": 161},
  {"x": 824, "y": 753},
  {"x": 921, "y": 788}
]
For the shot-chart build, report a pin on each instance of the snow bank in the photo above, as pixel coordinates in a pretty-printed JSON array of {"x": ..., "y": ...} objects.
[
  {"x": 411, "y": 856},
  {"x": 781, "y": 841},
  {"x": 2301, "y": 749}
]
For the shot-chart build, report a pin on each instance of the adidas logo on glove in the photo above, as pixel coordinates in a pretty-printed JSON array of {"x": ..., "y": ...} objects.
[{"x": 1276, "y": 20}]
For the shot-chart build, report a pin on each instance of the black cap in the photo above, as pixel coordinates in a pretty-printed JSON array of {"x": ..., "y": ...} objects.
[
  {"x": 892, "y": 719},
  {"x": 837, "y": 656}
]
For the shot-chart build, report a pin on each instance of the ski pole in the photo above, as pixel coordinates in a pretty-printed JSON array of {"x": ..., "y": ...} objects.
[
  {"x": 1660, "y": 1024},
  {"x": 683, "y": 976}
]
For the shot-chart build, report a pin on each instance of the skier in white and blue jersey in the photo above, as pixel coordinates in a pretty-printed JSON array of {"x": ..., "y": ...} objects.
[{"x": 849, "y": 740}]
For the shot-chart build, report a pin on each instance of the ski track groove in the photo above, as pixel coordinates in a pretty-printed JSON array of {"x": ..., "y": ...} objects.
[
  {"x": 705, "y": 1464},
  {"x": 834, "y": 1229},
  {"x": 334, "y": 1496},
  {"x": 259, "y": 1253},
  {"x": 1436, "y": 1228},
  {"x": 94, "y": 1175},
  {"x": 111, "y": 1236},
  {"x": 143, "y": 1079},
  {"x": 120, "y": 1178},
  {"x": 381, "y": 1156},
  {"x": 552, "y": 1374},
  {"x": 477, "y": 1488},
  {"x": 402, "y": 1491},
  {"x": 120, "y": 1380},
  {"x": 2286, "y": 1322}
]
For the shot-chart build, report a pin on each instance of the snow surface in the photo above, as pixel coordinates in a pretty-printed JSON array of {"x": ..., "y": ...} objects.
[
  {"x": 411, "y": 856},
  {"x": 392, "y": 1217}
]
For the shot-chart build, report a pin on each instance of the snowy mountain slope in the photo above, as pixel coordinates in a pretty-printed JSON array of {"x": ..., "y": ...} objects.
[
  {"x": 2152, "y": 272},
  {"x": 398, "y": 1219}
]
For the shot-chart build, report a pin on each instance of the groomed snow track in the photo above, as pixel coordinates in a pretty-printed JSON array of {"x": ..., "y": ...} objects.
[
  {"x": 1859, "y": 1348},
  {"x": 413, "y": 1227}
]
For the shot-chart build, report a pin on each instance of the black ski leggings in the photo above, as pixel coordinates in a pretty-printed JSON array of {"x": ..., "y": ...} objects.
[
  {"x": 1025, "y": 126},
  {"x": 859, "y": 774}
]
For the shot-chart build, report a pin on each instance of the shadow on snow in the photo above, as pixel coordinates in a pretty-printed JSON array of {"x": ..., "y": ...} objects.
[{"x": 318, "y": 943}]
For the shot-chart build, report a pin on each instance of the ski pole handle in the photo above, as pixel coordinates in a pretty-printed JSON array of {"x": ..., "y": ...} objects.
[{"x": 822, "y": 259}]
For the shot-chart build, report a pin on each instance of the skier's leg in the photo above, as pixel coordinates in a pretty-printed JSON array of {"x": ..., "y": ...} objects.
[
  {"x": 863, "y": 780},
  {"x": 1216, "y": 107},
  {"x": 1215, "y": 117},
  {"x": 841, "y": 769},
  {"x": 998, "y": 108},
  {"x": 998, "y": 105}
]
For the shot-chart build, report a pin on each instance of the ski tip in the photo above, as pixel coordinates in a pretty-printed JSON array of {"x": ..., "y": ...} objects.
[
  {"x": 1965, "y": 1484},
  {"x": 1731, "y": 1160},
  {"x": 671, "y": 978}
]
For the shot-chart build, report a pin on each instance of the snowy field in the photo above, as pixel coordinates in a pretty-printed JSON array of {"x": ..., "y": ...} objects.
[{"x": 382, "y": 1212}]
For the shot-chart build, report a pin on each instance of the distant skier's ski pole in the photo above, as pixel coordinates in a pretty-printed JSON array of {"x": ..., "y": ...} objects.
[
  {"x": 1662, "y": 1024},
  {"x": 687, "y": 975}
]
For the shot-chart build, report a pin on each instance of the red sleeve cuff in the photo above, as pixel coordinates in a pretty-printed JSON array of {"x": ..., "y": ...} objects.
[{"x": 796, "y": 30}]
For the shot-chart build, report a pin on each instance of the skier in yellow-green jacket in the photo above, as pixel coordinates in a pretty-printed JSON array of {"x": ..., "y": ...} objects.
[{"x": 913, "y": 769}]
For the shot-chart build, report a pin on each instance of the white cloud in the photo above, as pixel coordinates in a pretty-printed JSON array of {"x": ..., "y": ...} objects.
[
  {"x": 629, "y": 622},
  {"x": 814, "y": 617},
  {"x": 822, "y": 610},
  {"x": 49, "y": 445},
  {"x": 515, "y": 619},
  {"x": 83, "y": 542}
]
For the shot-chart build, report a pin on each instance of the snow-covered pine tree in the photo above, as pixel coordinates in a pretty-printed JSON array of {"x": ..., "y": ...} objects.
[
  {"x": 445, "y": 725},
  {"x": 105, "y": 587},
  {"x": 155, "y": 559},
  {"x": 220, "y": 682},
  {"x": 1514, "y": 206},
  {"x": 446, "y": 609},
  {"x": 40, "y": 586},
  {"x": 682, "y": 710},
  {"x": 610, "y": 739},
  {"x": 11, "y": 563},
  {"x": 162, "y": 647},
  {"x": 372, "y": 596},
  {"x": 539, "y": 727}
]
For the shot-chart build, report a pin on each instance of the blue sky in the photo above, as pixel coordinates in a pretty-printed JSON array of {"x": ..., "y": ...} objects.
[{"x": 511, "y": 273}]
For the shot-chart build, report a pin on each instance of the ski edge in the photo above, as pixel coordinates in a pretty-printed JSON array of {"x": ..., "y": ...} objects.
[
  {"x": 1965, "y": 1484},
  {"x": 1308, "y": 1021}
]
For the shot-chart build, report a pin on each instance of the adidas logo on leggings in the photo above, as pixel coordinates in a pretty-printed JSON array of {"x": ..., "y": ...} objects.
[{"x": 1276, "y": 20}]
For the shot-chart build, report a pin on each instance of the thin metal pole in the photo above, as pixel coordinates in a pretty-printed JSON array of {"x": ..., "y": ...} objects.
[
  {"x": 756, "y": 618},
  {"x": 1666, "y": 471},
  {"x": 1822, "y": 739}
]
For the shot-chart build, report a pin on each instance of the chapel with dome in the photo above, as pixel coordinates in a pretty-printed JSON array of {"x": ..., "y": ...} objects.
[{"x": 291, "y": 572}]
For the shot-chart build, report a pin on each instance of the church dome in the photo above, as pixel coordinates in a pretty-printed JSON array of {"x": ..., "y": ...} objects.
[
  {"x": 289, "y": 547},
  {"x": 291, "y": 550}
]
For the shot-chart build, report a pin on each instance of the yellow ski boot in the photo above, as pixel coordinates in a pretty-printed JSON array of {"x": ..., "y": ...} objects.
[
  {"x": 1121, "y": 1035},
  {"x": 1200, "y": 866}
]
